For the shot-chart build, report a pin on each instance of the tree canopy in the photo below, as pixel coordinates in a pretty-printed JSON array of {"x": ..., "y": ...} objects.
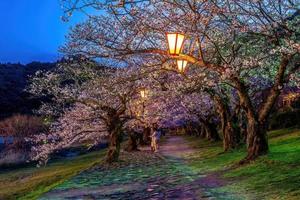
[{"x": 240, "y": 55}]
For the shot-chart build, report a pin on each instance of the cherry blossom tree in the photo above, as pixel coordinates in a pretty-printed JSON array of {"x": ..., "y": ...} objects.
[
  {"x": 237, "y": 40},
  {"x": 223, "y": 99},
  {"x": 92, "y": 105}
]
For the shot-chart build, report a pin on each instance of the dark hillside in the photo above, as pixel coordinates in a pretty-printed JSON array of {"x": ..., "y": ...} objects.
[{"x": 13, "y": 81}]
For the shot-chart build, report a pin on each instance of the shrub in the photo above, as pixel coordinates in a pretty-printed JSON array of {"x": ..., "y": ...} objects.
[
  {"x": 10, "y": 158},
  {"x": 18, "y": 127},
  {"x": 285, "y": 119}
]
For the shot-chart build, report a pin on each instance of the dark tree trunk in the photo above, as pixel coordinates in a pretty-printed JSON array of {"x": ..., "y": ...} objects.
[
  {"x": 114, "y": 124},
  {"x": 132, "y": 142},
  {"x": 202, "y": 132},
  {"x": 257, "y": 143},
  {"x": 198, "y": 130},
  {"x": 231, "y": 135},
  {"x": 211, "y": 132},
  {"x": 140, "y": 139},
  {"x": 114, "y": 146},
  {"x": 189, "y": 130},
  {"x": 146, "y": 136},
  {"x": 242, "y": 126}
]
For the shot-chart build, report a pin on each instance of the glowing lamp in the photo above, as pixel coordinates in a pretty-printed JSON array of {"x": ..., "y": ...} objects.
[
  {"x": 143, "y": 93},
  {"x": 181, "y": 65},
  {"x": 175, "y": 43}
]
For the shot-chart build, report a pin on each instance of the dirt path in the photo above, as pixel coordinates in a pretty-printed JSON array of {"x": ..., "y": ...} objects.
[
  {"x": 175, "y": 147},
  {"x": 143, "y": 175}
]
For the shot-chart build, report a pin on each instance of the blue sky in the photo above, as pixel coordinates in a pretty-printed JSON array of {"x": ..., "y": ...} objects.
[{"x": 31, "y": 30}]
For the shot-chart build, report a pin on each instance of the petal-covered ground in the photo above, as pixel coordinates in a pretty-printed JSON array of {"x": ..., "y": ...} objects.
[{"x": 144, "y": 175}]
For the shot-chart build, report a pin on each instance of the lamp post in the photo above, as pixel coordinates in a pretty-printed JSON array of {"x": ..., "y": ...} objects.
[
  {"x": 175, "y": 43},
  {"x": 181, "y": 65}
]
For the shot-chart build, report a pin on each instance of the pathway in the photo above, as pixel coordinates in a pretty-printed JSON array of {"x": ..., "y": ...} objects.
[{"x": 142, "y": 175}]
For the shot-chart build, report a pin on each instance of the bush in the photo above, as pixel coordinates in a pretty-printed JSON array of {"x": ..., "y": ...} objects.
[
  {"x": 10, "y": 157},
  {"x": 285, "y": 119},
  {"x": 296, "y": 103},
  {"x": 18, "y": 127}
]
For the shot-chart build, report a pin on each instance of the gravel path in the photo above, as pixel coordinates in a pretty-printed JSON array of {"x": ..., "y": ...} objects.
[{"x": 142, "y": 175}]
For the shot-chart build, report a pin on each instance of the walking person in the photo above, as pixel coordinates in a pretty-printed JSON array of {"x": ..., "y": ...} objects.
[
  {"x": 152, "y": 140},
  {"x": 155, "y": 138}
]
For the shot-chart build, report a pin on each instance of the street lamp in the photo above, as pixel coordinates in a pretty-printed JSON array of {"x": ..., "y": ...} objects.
[
  {"x": 181, "y": 65},
  {"x": 175, "y": 43},
  {"x": 143, "y": 93}
]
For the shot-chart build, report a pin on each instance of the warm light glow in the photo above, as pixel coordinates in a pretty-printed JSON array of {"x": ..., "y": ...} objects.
[
  {"x": 181, "y": 65},
  {"x": 143, "y": 93},
  {"x": 175, "y": 42}
]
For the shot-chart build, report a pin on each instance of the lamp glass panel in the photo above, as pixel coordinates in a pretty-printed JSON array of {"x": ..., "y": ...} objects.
[
  {"x": 181, "y": 64},
  {"x": 143, "y": 94},
  {"x": 172, "y": 42},
  {"x": 179, "y": 43}
]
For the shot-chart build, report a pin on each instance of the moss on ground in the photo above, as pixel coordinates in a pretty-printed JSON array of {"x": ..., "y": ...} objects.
[{"x": 30, "y": 182}]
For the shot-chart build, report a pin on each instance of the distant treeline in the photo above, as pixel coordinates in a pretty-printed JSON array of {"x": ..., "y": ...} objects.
[{"x": 14, "y": 78}]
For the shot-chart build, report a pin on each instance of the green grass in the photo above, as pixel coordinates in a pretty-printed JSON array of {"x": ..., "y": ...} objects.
[
  {"x": 209, "y": 156},
  {"x": 274, "y": 176},
  {"x": 31, "y": 182}
]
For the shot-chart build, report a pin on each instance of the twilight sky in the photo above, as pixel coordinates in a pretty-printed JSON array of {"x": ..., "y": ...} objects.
[{"x": 31, "y": 30}]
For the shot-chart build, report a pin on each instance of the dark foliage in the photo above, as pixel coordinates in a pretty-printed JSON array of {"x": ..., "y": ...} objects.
[
  {"x": 285, "y": 119},
  {"x": 13, "y": 80}
]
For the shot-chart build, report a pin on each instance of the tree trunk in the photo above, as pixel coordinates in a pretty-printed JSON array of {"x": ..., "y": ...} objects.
[
  {"x": 231, "y": 137},
  {"x": 199, "y": 130},
  {"x": 269, "y": 102},
  {"x": 189, "y": 130},
  {"x": 202, "y": 133},
  {"x": 114, "y": 146},
  {"x": 114, "y": 124},
  {"x": 257, "y": 143},
  {"x": 243, "y": 127},
  {"x": 132, "y": 142},
  {"x": 146, "y": 135},
  {"x": 211, "y": 132}
]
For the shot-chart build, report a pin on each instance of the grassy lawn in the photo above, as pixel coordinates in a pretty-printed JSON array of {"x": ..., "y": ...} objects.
[
  {"x": 30, "y": 182},
  {"x": 209, "y": 156},
  {"x": 274, "y": 176}
]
